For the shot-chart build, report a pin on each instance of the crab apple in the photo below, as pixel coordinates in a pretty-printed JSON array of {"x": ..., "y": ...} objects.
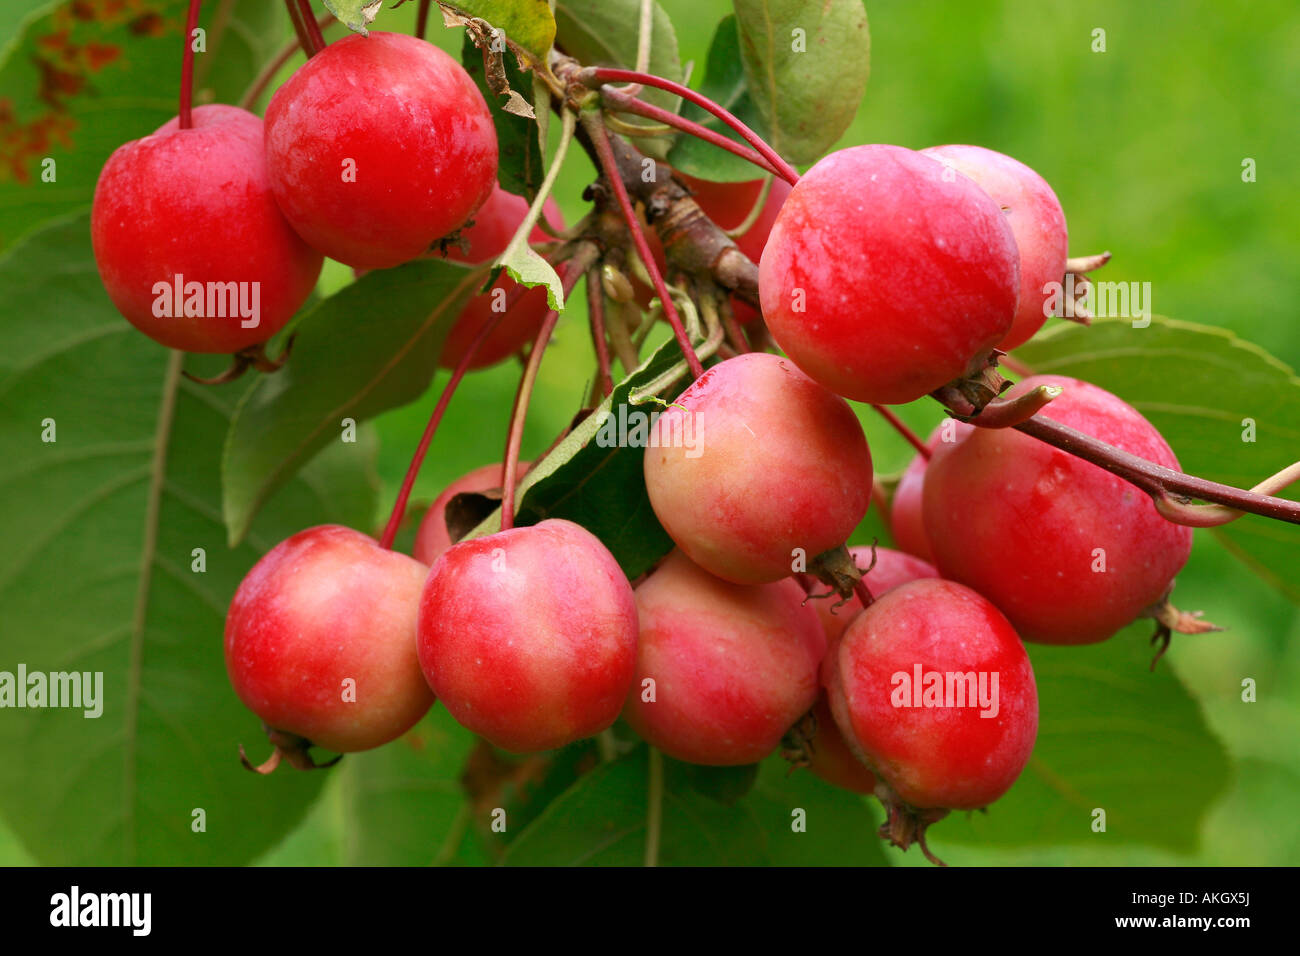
[
  {"x": 433, "y": 539},
  {"x": 1068, "y": 551},
  {"x": 905, "y": 522},
  {"x": 722, "y": 670},
  {"x": 320, "y": 640},
  {"x": 933, "y": 689},
  {"x": 891, "y": 569},
  {"x": 493, "y": 227},
  {"x": 189, "y": 242},
  {"x": 528, "y": 636},
  {"x": 1036, "y": 219},
  {"x": 727, "y": 204},
  {"x": 753, "y": 461},
  {"x": 830, "y": 758},
  {"x": 378, "y": 146},
  {"x": 886, "y": 275}
]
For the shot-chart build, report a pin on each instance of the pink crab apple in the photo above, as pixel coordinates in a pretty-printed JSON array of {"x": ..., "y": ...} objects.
[
  {"x": 722, "y": 670},
  {"x": 528, "y": 636},
  {"x": 432, "y": 539},
  {"x": 320, "y": 640},
  {"x": 493, "y": 227},
  {"x": 932, "y": 688},
  {"x": 188, "y": 240},
  {"x": 1068, "y": 551},
  {"x": 753, "y": 462},
  {"x": 905, "y": 521},
  {"x": 830, "y": 758},
  {"x": 1036, "y": 219},
  {"x": 727, "y": 204},
  {"x": 379, "y": 146},
  {"x": 883, "y": 278}
]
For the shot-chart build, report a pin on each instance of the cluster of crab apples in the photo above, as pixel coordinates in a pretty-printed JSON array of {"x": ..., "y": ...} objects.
[{"x": 884, "y": 274}]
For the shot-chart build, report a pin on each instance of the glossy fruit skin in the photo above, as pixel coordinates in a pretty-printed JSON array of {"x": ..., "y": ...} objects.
[
  {"x": 734, "y": 666},
  {"x": 197, "y": 203},
  {"x": 906, "y": 525},
  {"x": 892, "y": 568},
  {"x": 903, "y": 277},
  {"x": 493, "y": 227},
  {"x": 528, "y": 636},
  {"x": 1020, "y": 521},
  {"x": 782, "y": 464},
  {"x": 323, "y": 606},
  {"x": 432, "y": 539},
  {"x": 417, "y": 129},
  {"x": 830, "y": 758},
  {"x": 935, "y": 757},
  {"x": 1036, "y": 219},
  {"x": 727, "y": 204}
]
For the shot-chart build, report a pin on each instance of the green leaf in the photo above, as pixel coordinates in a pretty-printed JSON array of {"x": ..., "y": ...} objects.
[
  {"x": 1111, "y": 735},
  {"x": 521, "y": 166},
  {"x": 594, "y": 478},
  {"x": 372, "y": 346},
  {"x": 76, "y": 115},
  {"x": 403, "y": 803},
  {"x": 724, "y": 83},
  {"x": 356, "y": 15},
  {"x": 724, "y": 784},
  {"x": 1200, "y": 386},
  {"x": 807, "y": 67},
  {"x": 606, "y": 33},
  {"x": 601, "y": 821},
  {"x": 99, "y": 575},
  {"x": 527, "y": 24}
]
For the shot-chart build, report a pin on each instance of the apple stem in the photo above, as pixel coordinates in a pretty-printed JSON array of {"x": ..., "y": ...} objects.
[
  {"x": 609, "y": 166},
  {"x": 273, "y": 66},
  {"x": 630, "y": 104},
  {"x": 602, "y": 74},
  {"x": 899, "y": 426},
  {"x": 596, "y": 314},
  {"x": 186, "y": 120},
  {"x": 422, "y": 18},
  {"x": 448, "y": 390},
  {"x": 305, "y": 26},
  {"x": 583, "y": 259}
]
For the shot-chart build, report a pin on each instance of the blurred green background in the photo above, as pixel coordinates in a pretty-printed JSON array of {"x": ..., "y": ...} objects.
[{"x": 1144, "y": 145}]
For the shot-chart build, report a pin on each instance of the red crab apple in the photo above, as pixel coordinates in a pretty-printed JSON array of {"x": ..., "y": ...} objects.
[
  {"x": 528, "y": 636},
  {"x": 493, "y": 227},
  {"x": 905, "y": 522},
  {"x": 320, "y": 640},
  {"x": 432, "y": 539},
  {"x": 753, "y": 461},
  {"x": 884, "y": 279},
  {"x": 1068, "y": 551},
  {"x": 378, "y": 146},
  {"x": 1036, "y": 219},
  {"x": 727, "y": 204},
  {"x": 830, "y": 758},
  {"x": 723, "y": 670},
  {"x": 932, "y": 688},
  {"x": 189, "y": 242}
]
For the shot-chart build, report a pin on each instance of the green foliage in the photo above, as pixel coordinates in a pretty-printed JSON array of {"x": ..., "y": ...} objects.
[{"x": 99, "y": 574}]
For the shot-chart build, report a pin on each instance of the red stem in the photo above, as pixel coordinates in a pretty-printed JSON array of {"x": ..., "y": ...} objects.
[
  {"x": 888, "y": 415},
  {"x": 609, "y": 165},
  {"x": 863, "y": 592},
  {"x": 519, "y": 414},
  {"x": 422, "y": 18},
  {"x": 186, "y": 120},
  {"x": 305, "y": 26},
  {"x": 596, "y": 312},
  {"x": 448, "y": 390},
  {"x": 604, "y": 74},
  {"x": 630, "y": 104}
]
